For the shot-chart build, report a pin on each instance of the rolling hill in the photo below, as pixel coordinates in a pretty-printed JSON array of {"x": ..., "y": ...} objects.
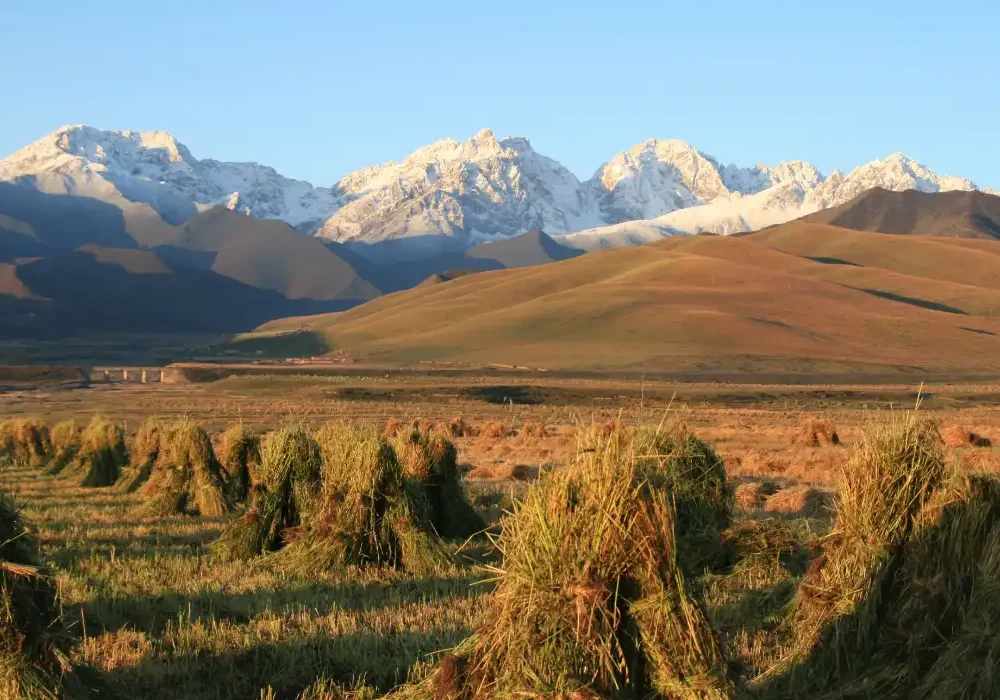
[
  {"x": 959, "y": 214},
  {"x": 799, "y": 298},
  {"x": 131, "y": 291}
]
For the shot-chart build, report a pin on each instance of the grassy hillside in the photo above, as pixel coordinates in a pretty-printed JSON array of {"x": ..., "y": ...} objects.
[{"x": 797, "y": 297}]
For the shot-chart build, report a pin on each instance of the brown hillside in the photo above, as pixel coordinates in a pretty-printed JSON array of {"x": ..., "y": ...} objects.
[
  {"x": 958, "y": 214},
  {"x": 745, "y": 303}
]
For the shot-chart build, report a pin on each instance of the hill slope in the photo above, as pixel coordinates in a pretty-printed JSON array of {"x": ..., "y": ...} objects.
[
  {"x": 132, "y": 291},
  {"x": 959, "y": 214},
  {"x": 743, "y": 305}
]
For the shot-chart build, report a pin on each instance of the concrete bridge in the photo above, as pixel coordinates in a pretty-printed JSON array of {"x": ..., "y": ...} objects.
[{"x": 127, "y": 375}]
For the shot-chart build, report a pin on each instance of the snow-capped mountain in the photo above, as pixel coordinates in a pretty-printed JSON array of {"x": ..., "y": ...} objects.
[
  {"x": 152, "y": 167},
  {"x": 751, "y": 203},
  {"x": 454, "y": 195},
  {"x": 474, "y": 191}
]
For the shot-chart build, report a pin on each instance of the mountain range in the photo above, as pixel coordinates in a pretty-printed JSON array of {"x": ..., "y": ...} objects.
[
  {"x": 451, "y": 195},
  {"x": 128, "y": 232}
]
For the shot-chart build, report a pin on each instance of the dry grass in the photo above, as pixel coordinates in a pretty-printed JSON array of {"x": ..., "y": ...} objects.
[
  {"x": 799, "y": 501},
  {"x": 751, "y": 495}
]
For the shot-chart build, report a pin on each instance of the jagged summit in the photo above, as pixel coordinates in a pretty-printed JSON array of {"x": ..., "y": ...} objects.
[{"x": 455, "y": 194}]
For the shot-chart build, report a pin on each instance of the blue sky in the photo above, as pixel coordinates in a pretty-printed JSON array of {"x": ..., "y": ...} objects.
[{"x": 319, "y": 88}]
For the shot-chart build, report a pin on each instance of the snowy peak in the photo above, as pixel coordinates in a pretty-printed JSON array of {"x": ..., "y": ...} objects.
[
  {"x": 896, "y": 173},
  {"x": 455, "y": 194},
  {"x": 154, "y": 168}
]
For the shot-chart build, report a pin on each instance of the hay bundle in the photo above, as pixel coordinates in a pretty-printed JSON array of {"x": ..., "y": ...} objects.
[
  {"x": 366, "y": 512},
  {"x": 102, "y": 454},
  {"x": 240, "y": 458},
  {"x": 801, "y": 501},
  {"x": 6, "y": 441},
  {"x": 34, "y": 661},
  {"x": 32, "y": 444},
  {"x": 814, "y": 432},
  {"x": 186, "y": 478},
  {"x": 686, "y": 466},
  {"x": 142, "y": 457},
  {"x": 458, "y": 428},
  {"x": 494, "y": 430},
  {"x": 591, "y": 600},
  {"x": 751, "y": 495},
  {"x": 894, "y": 472},
  {"x": 66, "y": 441},
  {"x": 290, "y": 472},
  {"x": 430, "y": 462},
  {"x": 960, "y": 436},
  {"x": 931, "y": 627}
]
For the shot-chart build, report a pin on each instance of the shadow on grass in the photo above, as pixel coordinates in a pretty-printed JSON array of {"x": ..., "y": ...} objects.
[
  {"x": 381, "y": 661},
  {"x": 152, "y": 614}
]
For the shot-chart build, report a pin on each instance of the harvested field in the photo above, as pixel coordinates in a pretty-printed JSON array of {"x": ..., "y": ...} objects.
[{"x": 183, "y": 603}]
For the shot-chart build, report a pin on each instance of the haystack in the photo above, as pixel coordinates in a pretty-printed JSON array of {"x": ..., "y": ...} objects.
[
  {"x": 142, "y": 456},
  {"x": 34, "y": 650},
  {"x": 6, "y": 442},
  {"x": 430, "y": 463},
  {"x": 186, "y": 477},
  {"x": 25, "y": 442},
  {"x": 102, "y": 454},
  {"x": 240, "y": 456},
  {"x": 66, "y": 442},
  {"x": 814, "y": 432},
  {"x": 289, "y": 479},
  {"x": 904, "y": 601},
  {"x": 366, "y": 512},
  {"x": 591, "y": 600},
  {"x": 960, "y": 436},
  {"x": 677, "y": 461}
]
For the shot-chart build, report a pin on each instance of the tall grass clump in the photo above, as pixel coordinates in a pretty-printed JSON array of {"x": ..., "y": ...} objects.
[
  {"x": 365, "y": 513},
  {"x": 430, "y": 464},
  {"x": 67, "y": 438},
  {"x": 591, "y": 600},
  {"x": 289, "y": 479},
  {"x": 240, "y": 456},
  {"x": 186, "y": 477},
  {"x": 34, "y": 649},
  {"x": 102, "y": 454},
  {"x": 904, "y": 601},
  {"x": 144, "y": 452}
]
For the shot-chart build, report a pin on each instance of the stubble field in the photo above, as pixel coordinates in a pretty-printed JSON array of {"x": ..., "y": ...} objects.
[{"x": 152, "y": 608}]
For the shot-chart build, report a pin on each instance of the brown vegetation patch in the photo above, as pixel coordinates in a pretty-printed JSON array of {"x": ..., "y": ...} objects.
[
  {"x": 801, "y": 501},
  {"x": 814, "y": 432},
  {"x": 752, "y": 495},
  {"x": 961, "y": 436}
]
